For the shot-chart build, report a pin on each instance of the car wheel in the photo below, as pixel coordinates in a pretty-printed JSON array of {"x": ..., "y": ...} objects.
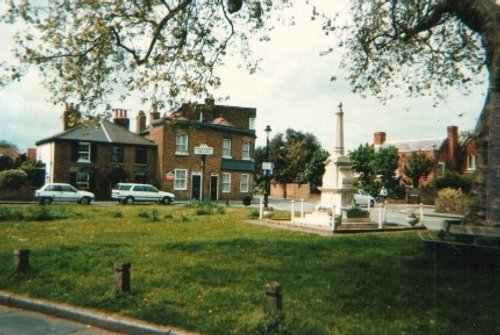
[
  {"x": 129, "y": 201},
  {"x": 45, "y": 201},
  {"x": 166, "y": 201},
  {"x": 86, "y": 201}
]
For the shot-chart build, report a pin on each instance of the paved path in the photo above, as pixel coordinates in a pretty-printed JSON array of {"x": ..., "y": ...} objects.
[{"x": 15, "y": 321}]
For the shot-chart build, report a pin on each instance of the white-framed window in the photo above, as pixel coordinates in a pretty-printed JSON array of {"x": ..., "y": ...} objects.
[
  {"x": 180, "y": 182},
  {"x": 181, "y": 144},
  {"x": 83, "y": 152},
  {"x": 226, "y": 148},
  {"x": 82, "y": 180},
  {"x": 251, "y": 123},
  {"x": 226, "y": 182},
  {"x": 244, "y": 183},
  {"x": 245, "y": 150},
  {"x": 441, "y": 167},
  {"x": 471, "y": 162}
]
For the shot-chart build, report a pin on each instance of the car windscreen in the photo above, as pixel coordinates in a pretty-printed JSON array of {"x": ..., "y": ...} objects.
[{"x": 124, "y": 187}]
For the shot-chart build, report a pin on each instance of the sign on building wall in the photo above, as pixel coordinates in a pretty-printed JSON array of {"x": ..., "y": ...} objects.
[
  {"x": 169, "y": 176},
  {"x": 203, "y": 149}
]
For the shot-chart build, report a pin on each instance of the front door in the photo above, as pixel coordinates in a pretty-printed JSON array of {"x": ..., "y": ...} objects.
[
  {"x": 196, "y": 187},
  {"x": 214, "y": 182}
]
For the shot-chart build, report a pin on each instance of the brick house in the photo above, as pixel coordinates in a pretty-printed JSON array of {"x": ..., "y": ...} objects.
[
  {"x": 96, "y": 154},
  {"x": 226, "y": 173},
  {"x": 453, "y": 152}
]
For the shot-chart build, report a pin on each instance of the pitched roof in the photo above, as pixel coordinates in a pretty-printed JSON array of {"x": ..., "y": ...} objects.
[
  {"x": 415, "y": 145},
  {"x": 102, "y": 131}
]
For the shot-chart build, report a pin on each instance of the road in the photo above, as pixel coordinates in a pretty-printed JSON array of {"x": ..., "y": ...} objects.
[
  {"x": 20, "y": 322},
  {"x": 394, "y": 213}
]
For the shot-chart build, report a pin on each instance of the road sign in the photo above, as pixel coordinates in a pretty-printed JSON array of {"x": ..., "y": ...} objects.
[
  {"x": 203, "y": 149},
  {"x": 267, "y": 165}
]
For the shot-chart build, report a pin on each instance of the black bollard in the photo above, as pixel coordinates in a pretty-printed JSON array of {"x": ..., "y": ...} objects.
[
  {"x": 273, "y": 301},
  {"x": 21, "y": 259},
  {"x": 122, "y": 276}
]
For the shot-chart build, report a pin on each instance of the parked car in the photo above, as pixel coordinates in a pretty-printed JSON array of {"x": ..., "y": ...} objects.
[
  {"x": 361, "y": 197},
  {"x": 61, "y": 192},
  {"x": 128, "y": 193}
]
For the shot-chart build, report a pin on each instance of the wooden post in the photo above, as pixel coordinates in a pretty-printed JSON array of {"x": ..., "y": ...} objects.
[
  {"x": 122, "y": 276},
  {"x": 21, "y": 259},
  {"x": 273, "y": 301}
]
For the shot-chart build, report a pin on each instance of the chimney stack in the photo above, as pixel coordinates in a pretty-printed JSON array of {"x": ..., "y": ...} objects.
[
  {"x": 379, "y": 138},
  {"x": 154, "y": 114},
  {"x": 140, "y": 122},
  {"x": 121, "y": 118},
  {"x": 452, "y": 146}
]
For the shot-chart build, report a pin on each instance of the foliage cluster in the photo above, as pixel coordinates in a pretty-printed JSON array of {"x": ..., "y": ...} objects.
[
  {"x": 452, "y": 179},
  {"x": 12, "y": 179},
  {"x": 297, "y": 157},
  {"x": 166, "y": 51},
  {"x": 376, "y": 168},
  {"x": 417, "y": 167},
  {"x": 36, "y": 213},
  {"x": 450, "y": 200}
]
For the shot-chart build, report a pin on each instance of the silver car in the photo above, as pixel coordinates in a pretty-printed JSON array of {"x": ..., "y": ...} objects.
[
  {"x": 60, "y": 192},
  {"x": 128, "y": 193},
  {"x": 361, "y": 197}
]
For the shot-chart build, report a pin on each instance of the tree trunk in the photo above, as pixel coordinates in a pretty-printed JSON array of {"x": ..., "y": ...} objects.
[{"x": 485, "y": 209}]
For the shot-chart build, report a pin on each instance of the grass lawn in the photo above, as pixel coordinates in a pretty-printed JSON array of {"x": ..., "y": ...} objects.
[{"x": 207, "y": 272}]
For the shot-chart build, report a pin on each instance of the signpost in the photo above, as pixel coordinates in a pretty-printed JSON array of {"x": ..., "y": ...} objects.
[{"x": 203, "y": 150}]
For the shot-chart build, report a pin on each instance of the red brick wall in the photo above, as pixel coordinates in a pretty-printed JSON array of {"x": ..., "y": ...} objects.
[
  {"x": 293, "y": 191},
  {"x": 169, "y": 161},
  {"x": 102, "y": 166}
]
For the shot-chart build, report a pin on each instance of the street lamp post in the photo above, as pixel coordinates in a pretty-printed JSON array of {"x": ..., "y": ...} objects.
[
  {"x": 434, "y": 172},
  {"x": 266, "y": 186}
]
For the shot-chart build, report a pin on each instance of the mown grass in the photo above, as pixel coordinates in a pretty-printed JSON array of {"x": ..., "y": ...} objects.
[{"x": 204, "y": 269}]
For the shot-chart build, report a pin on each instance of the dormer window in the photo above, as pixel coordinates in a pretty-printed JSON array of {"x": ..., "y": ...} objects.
[{"x": 251, "y": 123}]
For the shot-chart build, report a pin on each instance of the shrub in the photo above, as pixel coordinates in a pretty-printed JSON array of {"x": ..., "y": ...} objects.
[
  {"x": 185, "y": 217},
  {"x": 155, "y": 215},
  {"x": 12, "y": 179},
  {"x": 270, "y": 324},
  {"x": 38, "y": 213},
  {"x": 254, "y": 213},
  {"x": 118, "y": 214},
  {"x": 143, "y": 214},
  {"x": 451, "y": 200},
  {"x": 221, "y": 209},
  {"x": 455, "y": 180}
]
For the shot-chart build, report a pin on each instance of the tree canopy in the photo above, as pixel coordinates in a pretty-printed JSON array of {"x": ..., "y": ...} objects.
[
  {"x": 297, "y": 157},
  {"x": 426, "y": 46},
  {"x": 418, "y": 166},
  {"x": 167, "y": 50},
  {"x": 375, "y": 167}
]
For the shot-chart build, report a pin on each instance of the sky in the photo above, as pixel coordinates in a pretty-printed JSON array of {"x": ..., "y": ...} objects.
[{"x": 292, "y": 90}]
